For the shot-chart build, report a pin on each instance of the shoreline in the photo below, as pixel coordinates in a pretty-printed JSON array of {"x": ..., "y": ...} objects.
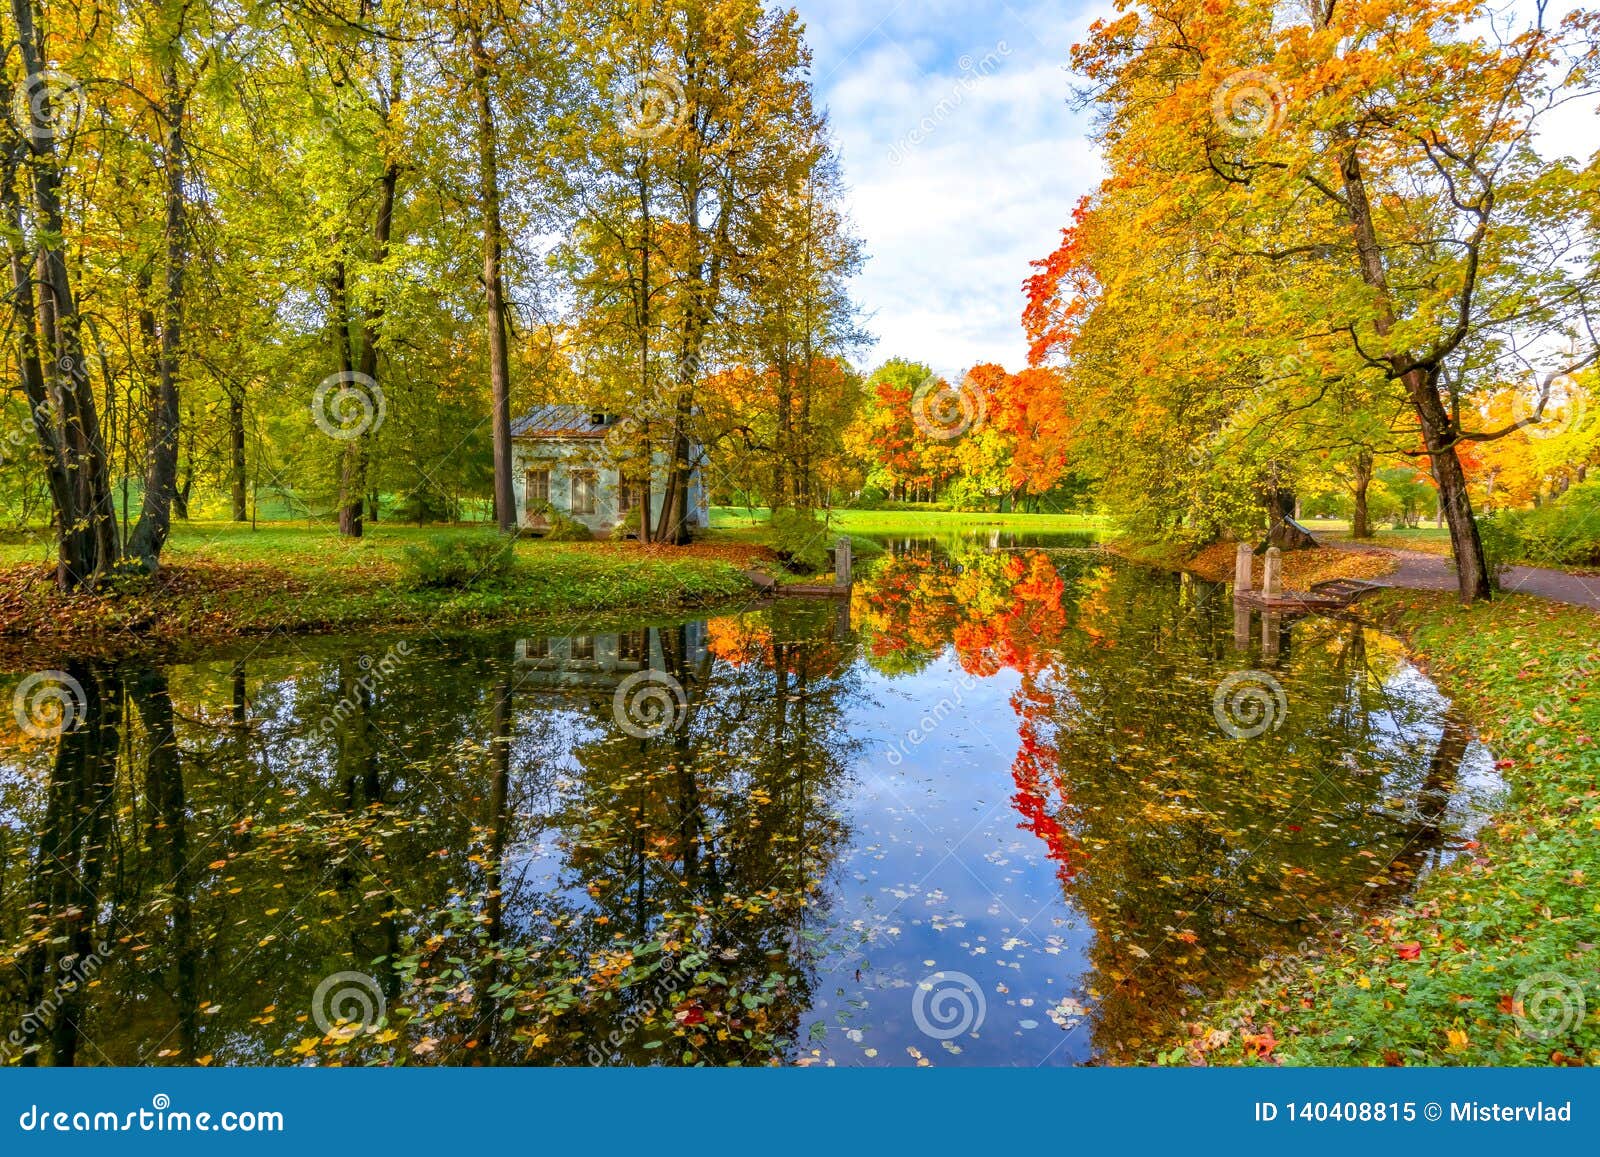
[
  {"x": 198, "y": 605},
  {"x": 1487, "y": 960}
]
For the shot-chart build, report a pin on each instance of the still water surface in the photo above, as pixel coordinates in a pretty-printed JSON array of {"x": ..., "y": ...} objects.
[{"x": 991, "y": 810}]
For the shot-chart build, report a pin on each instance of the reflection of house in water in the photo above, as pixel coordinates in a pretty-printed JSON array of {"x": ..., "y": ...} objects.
[{"x": 600, "y": 661}]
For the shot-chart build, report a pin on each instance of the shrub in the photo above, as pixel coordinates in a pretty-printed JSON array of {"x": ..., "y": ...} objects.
[
  {"x": 564, "y": 528},
  {"x": 801, "y": 539},
  {"x": 628, "y": 527},
  {"x": 460, "y": 561},
  {"x": 425, "y": 504},
  {"x": 1565, "y": 532},
  {"x": 1503, "y": 545}
]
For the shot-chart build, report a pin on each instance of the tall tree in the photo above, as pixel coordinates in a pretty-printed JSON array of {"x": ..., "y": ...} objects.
[
  {"x": 1400, "y": 140},
  {"x": 48, "y": 327}
]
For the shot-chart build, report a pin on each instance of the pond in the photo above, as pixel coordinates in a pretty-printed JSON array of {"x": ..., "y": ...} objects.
[{"x": 1000, "y": 807}]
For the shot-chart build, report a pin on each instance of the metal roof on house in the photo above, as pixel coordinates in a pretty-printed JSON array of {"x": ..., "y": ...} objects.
[{"x": 561, "y": 422}]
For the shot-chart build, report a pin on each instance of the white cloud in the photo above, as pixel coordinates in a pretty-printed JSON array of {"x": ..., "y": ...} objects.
[{"x": 958, "y": 178}]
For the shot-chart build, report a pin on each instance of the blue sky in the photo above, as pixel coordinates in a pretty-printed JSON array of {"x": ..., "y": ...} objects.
[{"x": 962, "y": 157}]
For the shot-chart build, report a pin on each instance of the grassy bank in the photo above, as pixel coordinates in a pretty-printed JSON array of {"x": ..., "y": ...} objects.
[
  {"x": 221, "y": 580},
  {"x": 1492, "y": 960}
]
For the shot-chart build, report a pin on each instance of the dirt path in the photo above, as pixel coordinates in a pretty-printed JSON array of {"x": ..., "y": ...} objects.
[{"x": 1432, "y": 572}]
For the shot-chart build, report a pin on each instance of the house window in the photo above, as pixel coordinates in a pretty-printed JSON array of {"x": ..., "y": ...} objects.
[
  {"x": 536, "y": 489},
  {"x": 631, "y": 646},
  {"x": 583, "y": 647},
  {"x": 585, "y": 485},
  {"x": 629, "y": 496},
  {"x": 537, "y": 648}
]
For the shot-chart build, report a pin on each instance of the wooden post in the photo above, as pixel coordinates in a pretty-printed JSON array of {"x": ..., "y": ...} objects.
[
  {"x": 841, "y": 562},
  {"x": 1243, "y": 564},
  {"x": 1272, "y": 580}
]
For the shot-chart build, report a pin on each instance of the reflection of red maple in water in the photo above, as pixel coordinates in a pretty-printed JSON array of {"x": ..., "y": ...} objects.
[
  {"x": 1040, "y": 803},
  {"x": 1000, "y": 612}
]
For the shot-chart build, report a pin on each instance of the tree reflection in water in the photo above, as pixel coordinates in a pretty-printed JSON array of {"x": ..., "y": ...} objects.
[{"x": 472, "y": 853}]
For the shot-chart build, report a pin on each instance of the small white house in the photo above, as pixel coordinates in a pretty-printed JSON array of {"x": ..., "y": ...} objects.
[{"x": 562, "y": 461}]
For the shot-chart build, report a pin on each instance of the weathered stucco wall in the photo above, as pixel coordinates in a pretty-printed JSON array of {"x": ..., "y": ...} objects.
[{"x": 563, "y": 457}]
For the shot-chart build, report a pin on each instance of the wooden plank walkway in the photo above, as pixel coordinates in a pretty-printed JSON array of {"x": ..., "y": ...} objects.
[
  {"x": 1330, "y": 595},
  {"x": 770, "y": 586}
]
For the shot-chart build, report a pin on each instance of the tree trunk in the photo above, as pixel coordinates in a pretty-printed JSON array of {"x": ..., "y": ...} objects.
[
  {"x": 358, "y": 454},
  {"x": 673, "y": 525},
  {"x": 1282, "y": 530},
  {"x": 236, "y": 463},
  {"x": 1360, "y": 524},
  {"x": 1422, "y": 390},
  {"x": 505, "y": 503},
  {"x": 49, "y": 336},
  {"x": 1472, "y": 567},
  {"x": 784, "y": 486},
  {"x": 164, "y": 791},
  {"x": 161, "y": 473}
]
